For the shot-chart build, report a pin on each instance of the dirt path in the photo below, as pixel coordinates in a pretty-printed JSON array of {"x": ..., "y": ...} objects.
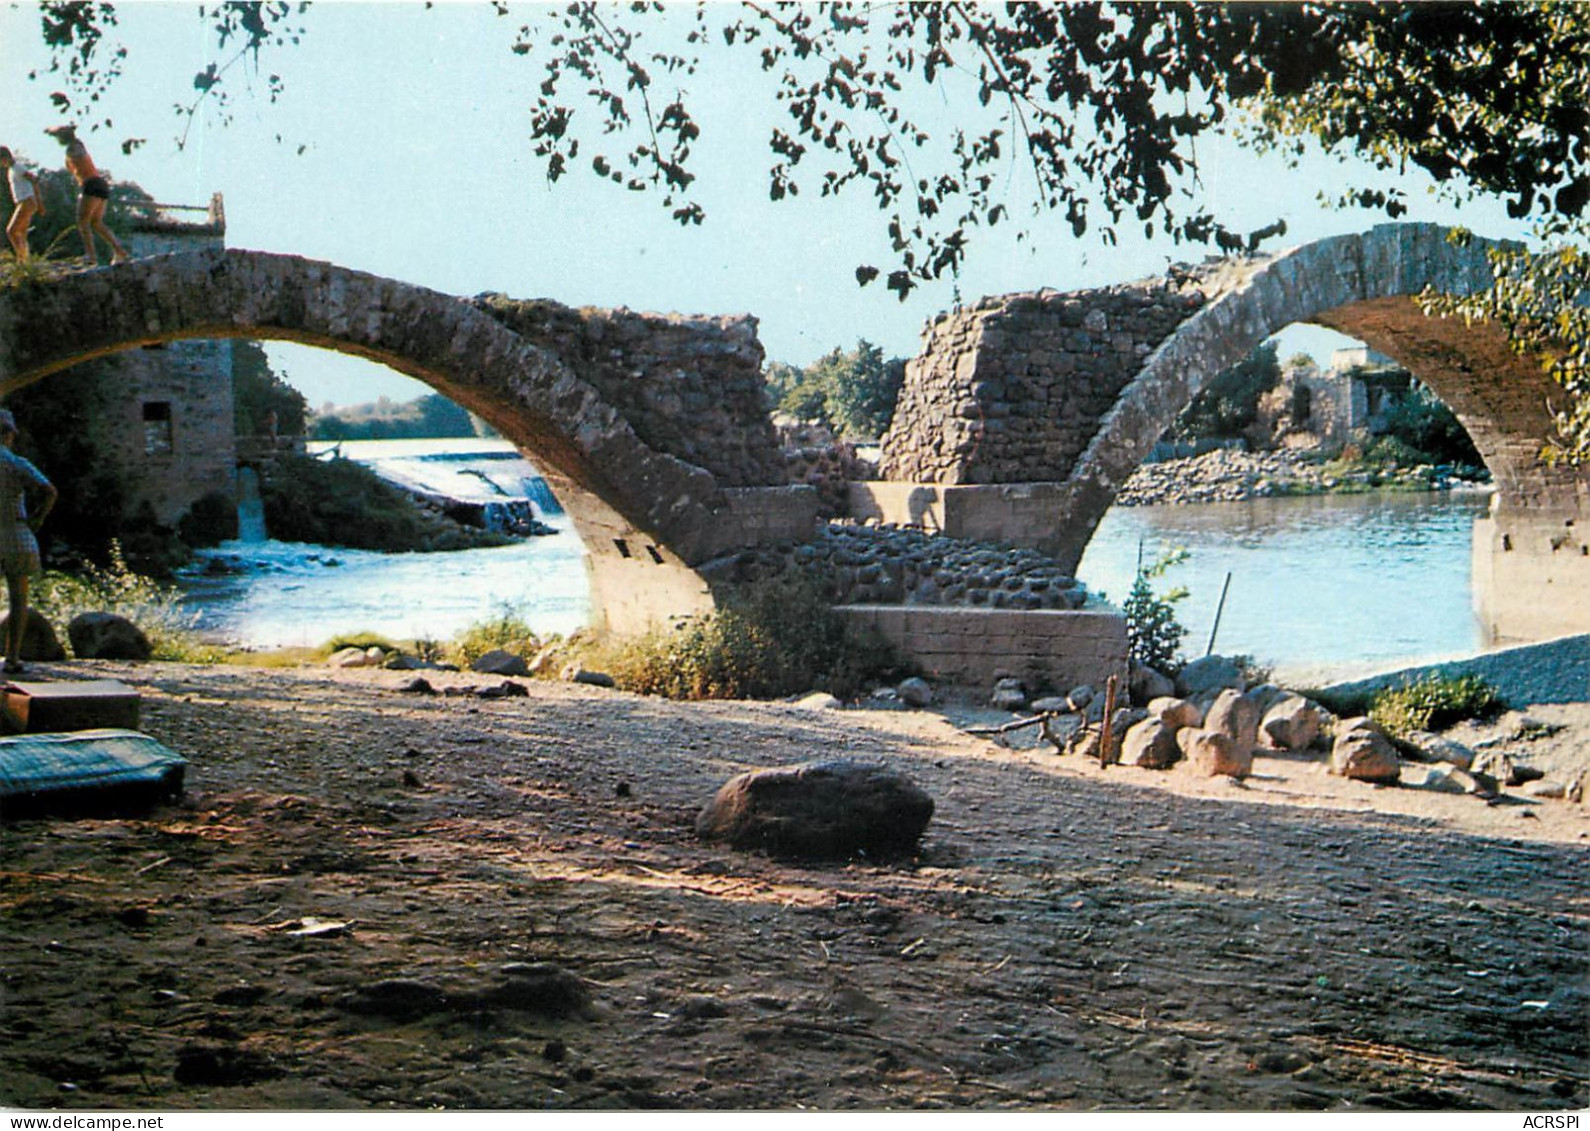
[{"x": 1069, "y": 937}]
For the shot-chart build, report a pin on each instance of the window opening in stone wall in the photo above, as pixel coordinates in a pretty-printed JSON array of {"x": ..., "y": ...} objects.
[{"x": 159, "y": 439}]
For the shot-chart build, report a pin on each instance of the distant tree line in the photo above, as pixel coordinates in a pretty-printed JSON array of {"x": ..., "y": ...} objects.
[{"x": 429, "y": 417}]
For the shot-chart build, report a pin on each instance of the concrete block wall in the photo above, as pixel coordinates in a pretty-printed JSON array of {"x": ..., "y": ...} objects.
[{"x": 1048, "y": 649}]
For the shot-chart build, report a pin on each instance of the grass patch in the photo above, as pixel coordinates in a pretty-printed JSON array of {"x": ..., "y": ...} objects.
[
  {"x": 153, "y": 606},
  {"x": 507, "y": 630},
  {"x": 771, "y": 639}
]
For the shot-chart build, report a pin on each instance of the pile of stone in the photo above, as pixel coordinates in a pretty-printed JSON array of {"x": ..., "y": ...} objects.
[
  {"x": 1230, "y": 475},
  {"x": 829, "y": 469},
  {"x": 861, "y": 565},
  {"x": 1210, "y": 721},
  {"x": 1224, "y": 475}
]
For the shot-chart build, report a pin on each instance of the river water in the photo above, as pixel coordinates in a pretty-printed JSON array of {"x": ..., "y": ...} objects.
[{"x": 1340, "y": 583}]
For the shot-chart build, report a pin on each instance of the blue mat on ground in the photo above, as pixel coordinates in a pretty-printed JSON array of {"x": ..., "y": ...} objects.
[{"x": 99, "y": 768}]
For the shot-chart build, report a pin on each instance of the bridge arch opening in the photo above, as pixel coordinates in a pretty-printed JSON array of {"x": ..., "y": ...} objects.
[{"x": 531, "y": 371}]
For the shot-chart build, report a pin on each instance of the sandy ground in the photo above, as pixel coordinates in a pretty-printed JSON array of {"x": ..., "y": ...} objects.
[{"x": 354, "y": 905}]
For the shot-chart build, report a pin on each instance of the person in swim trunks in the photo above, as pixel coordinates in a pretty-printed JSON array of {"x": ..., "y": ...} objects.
[
  {"x": 28, "y": 199},
  {"x": 95, "y": 195},
  {"x": 19, "y": 549}
]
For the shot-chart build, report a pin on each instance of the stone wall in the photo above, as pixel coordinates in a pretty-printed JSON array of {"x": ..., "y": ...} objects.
[
  {"x": 1048, "y": 651},
  {"x": 1013, "y": 389},
  {"x": 690, "y": 387}
]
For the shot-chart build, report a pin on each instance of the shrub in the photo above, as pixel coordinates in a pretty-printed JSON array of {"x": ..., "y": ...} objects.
[
  {"x": 1153, "y": 633},
  {"x": 1433, "y": 703},
  {"x": 770, "y": 639},
  {"x": 211, "y": 520},
  {"x": 506, "y": 630},
  {"x": 153, "y": 607},
  {"x": 356, "y": 640}
]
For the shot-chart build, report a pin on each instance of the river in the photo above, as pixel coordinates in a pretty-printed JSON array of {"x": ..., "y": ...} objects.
[{"x": 1345, "y": 582}]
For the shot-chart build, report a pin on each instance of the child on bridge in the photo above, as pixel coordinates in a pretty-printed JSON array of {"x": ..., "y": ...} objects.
[
  {"x": 28, "y": 199},
  {"x": 95, "y": 195}
]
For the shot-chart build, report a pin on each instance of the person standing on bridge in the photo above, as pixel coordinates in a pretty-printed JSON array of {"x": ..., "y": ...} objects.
[
  {"x": 95, "y": 195},
  {"x": 19, "y": 549},
  {"x": 28, "y": 199}
]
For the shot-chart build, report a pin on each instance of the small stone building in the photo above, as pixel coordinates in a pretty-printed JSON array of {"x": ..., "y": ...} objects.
[{"x": 160, "y": 418}]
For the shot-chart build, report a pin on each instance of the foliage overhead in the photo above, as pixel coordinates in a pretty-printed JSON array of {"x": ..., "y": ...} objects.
[{"x": 939, "y": 111}]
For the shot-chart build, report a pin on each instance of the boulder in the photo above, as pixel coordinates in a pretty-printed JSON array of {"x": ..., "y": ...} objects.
[
  {"x": 1150, "y": 744},
  {"x": 1010, "y": 694},
  {"x": 1234, "y": 715},
  {"x": 820, "y": 810},
  {"x": 577, "y": 674},
  {"x": 1125, "y": 718},
  {"x": 1208, "y": 674},
  {"x": 1449, "y": 779},
  {"x": 107, "y": 636},
  {"x": 39, "y": 641},
  {"x": 1053, "y": 704},
  {"x": 1145, "y": 683},
  {"x": 1501, "y": 766},
  {"x": 349, "y": 657},
  {"x": 1214, "y": 752},
  {"x": 1430, "y": 747},
  {"x": 500, "y": 661},
  {"x": 1364, "y": 753},
  {"x": 1290, "y": 723},
  {"x": 915, "y": 692},
  {"x": 1085, "y": 744},
  {"x": 819, "y": 701},
  {"x": 1266, "y": 695},
  {"x": 1080, "y": 697},
  {"x": 1175, "y": 713}
]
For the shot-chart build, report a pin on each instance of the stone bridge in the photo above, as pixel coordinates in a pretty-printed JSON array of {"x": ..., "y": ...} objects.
[
  {"x": 650, "y": 430},
  {"x": 1024, "y": 415},
  {"x": 1018, "y": 423}
]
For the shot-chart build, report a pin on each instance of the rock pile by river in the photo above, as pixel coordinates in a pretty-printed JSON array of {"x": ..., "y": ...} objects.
[
  {"x": 861, "y": 565},
  {"x": 1230, "y": 475}
]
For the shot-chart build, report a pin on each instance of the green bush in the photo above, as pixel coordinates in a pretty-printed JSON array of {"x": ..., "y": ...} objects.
[
  {"x": 1433, "y": 703},
  {"x": 1153, "y": 633},
  {"x": 771, "y": 639},
  {"x": 506, "y": 630},
  {"x": 211, "y": 520},
  {"x": 342, "y": 503},
  {"x": 115, "y": 588}
]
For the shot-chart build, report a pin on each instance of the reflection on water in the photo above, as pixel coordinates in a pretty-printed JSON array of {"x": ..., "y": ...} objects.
[{"x": 1316, "y": 582}]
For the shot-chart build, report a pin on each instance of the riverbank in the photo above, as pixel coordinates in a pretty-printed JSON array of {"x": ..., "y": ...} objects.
[
  {"x": 356, "y": 905},
  {"x": 1232, "y": 475}
]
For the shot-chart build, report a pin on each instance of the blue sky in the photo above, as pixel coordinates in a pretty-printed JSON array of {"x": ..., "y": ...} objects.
[{"x": 419, "y": 166}]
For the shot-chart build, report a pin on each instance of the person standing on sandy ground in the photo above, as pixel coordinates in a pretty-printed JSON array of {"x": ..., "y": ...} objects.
[
  {"x": 28, "y": 199},
  {"x": 19, "y": 549},
  {"x": 94, "y": 197}
]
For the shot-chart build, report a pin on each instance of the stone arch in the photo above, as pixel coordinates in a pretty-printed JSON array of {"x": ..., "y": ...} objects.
[
  {"x": 1362, "y": 285},
  {"x": 646, "y": 516}
]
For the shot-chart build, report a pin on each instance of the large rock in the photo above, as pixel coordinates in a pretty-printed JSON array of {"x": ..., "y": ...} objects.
[
  {"x": 915, "y": 692},
  {"x": 1175, "y": 713},
  {"x": 1208, "y": 674},
  {"x": 39, "y": 641},
  {"x": 107, "y": 636},
  {"x": 500, "y": 661},
  {"x": 1213, "y": 752},
  {"x": 1364, "y": 753},
  {"x": 1293, "y": 723},
  {"x": 819, "y": 810},
  {"x": 1438, "y": 748},
  {"x": 1150, "y": 744},
  {"x": 1234, "y": 715},
  {"x": 1146, "y": 683}
]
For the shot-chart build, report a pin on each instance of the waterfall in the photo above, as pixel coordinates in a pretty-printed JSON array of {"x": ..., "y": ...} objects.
[{"x": 250, "y": 508}]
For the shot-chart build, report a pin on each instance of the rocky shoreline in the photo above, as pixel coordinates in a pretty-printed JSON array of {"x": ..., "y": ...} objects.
[{"x": 1231, "y": 475}]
